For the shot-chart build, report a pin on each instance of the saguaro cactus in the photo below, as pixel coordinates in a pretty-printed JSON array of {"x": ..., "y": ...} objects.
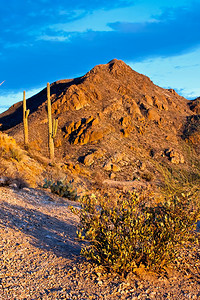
[
  {"x": 25, "y": 119},
  {"x": 52, "y": 127}
]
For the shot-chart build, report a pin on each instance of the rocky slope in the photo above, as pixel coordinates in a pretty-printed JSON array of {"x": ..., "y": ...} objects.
[{"x": 113, "y": 123}]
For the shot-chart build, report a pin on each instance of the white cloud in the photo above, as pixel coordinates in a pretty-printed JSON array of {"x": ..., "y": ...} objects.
[
  {"x": 55, "y": 38},
  {"x": 98, "y": 20}
]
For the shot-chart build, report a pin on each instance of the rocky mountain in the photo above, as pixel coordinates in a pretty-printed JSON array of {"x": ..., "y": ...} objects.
[{"x": 114, "y": 124}]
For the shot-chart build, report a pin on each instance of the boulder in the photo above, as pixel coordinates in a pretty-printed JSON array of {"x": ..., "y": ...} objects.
[
  {"x": 115, "y": 168},
  {"x": 88, "y": 159},
  {"x": 107, "y": 166},
  {"x": 157, "y": 103},
  {"x": 153, "y": 115},
  {"x": 125, "y": 121},
  {"x": 96, "y": 135},
  {"x": 174, "y": 156},
  {"x": 148, "y": 99}
]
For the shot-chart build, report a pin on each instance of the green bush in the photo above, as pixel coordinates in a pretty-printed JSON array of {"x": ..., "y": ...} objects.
[
  {"x": 134, "y": 232},
  {"x": 61, "y": 188}
]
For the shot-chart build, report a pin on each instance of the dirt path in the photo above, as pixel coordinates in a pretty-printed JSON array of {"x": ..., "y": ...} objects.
[{"x": 40, "y": 257}]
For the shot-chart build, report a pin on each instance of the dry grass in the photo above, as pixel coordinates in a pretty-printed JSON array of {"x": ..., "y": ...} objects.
[
  {"x": 178, "y": 180},
  {"x": 9, "y": 148}
]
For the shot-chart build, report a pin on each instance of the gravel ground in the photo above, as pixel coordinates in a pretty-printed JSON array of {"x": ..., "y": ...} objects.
[{"x": 40, "y": 257}]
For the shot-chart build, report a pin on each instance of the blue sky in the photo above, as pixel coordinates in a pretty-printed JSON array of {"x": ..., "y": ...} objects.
[{"x": 43, "y": 41}]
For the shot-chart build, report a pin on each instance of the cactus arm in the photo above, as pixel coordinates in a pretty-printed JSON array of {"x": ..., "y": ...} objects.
[{"x": 27, "y": 113}]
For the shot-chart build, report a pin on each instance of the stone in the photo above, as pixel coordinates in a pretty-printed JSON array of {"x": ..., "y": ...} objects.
[
  {"x": 174, "y": 156},
  {"x": 135, "y": 109},
  {"x": 157, "y": 103},
  {"x": 77, "y": 125},
  {"x": 165, "y": 106},
  {"x": 126, "y": 121},
  {"x": 118, "y": 157},
  {"x": 173, "y": 92},
  {"x": 148, "y": 99},
  {"x": 77, "y": 168},
  {"x": 175, "y": 160},
  {"x": 126, "y": 131},
  {"x": 112, "y": 175},
  {"x": 115, "y": 168},
  {"x": 171, "y": 102},
  {"x": 88, "y": 159},
  {"x": 69, "y": 128},
  {"x": 80, "y": 131},
  {"x": 153, "y": 115},
  {"x": 99, "y": 153},
  {"x": 84, "y": 138},
  {"x": 96, "y": 135},
  {"x": 107, "y": 166},
  {"x": 75, "y": 142},
  {"x": 75, "y": 98}
]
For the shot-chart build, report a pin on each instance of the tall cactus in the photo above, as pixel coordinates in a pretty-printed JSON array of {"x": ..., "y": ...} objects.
[
  {"x": 25, "y": 119},
  {"x": 52, "y": 127}
]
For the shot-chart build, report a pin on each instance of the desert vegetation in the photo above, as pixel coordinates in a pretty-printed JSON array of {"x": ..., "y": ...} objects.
[
  {"x": 9, "y": 148},
  {"x": 63, "y": 188},
  {"x": 132, "y": 231}
]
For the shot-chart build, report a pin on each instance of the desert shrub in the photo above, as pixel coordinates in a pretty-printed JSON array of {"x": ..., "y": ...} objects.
[
  {"x": 62, "y": 188},
  {"x": 134, "y": 232},
  {"x": 9, "y": 148}
]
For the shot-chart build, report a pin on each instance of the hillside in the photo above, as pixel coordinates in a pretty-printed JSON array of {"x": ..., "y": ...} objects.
[
  {"x": 114, "y": 125},
  {"x": 116, "y": 130}
]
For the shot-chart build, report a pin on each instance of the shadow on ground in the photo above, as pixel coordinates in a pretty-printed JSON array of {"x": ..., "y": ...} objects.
[{"x": 46, "y": 232}]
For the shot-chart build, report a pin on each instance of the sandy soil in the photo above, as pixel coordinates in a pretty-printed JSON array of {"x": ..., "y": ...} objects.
[{"x": 40, "y": 257}]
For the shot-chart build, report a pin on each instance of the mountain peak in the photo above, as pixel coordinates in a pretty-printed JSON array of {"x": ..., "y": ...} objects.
[
  {"x": 110, "y": 119},
  {"x": 116, "y": 61}
]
